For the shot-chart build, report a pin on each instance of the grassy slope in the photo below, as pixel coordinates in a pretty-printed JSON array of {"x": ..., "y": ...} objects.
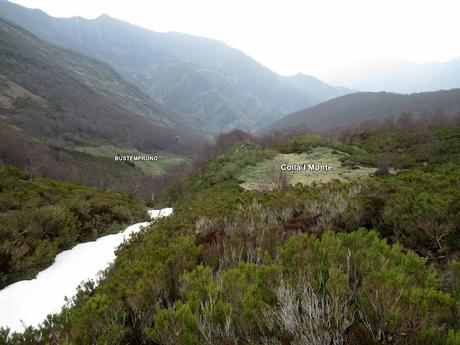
[
  {"x": 156, "y": 168},
  {"x": 120, "y": 171},
  {"x": 254, "y": 176}
]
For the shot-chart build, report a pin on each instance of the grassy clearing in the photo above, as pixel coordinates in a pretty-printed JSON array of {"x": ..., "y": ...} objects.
[
  {"x": 155, "y": 168},
  {"x": 253, "y": 176}
]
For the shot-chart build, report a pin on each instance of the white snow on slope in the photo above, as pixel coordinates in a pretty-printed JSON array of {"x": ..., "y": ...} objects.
[
  {"x": 165, "y": 212},
  {"x": 28, "y": 302}
]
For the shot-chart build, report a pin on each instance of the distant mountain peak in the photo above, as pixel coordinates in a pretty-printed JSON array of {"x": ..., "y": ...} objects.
[
  {"x": 300, "y": 76},
  {"x": 103, "y": 16}
]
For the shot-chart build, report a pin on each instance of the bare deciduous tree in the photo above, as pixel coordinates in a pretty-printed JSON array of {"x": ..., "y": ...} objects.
[
  {"x": 310, "y": 318},
  {"x": 435, "y": 230},
  {"x": 275, "y": 178},
  {"x": 215, "y": 332}
]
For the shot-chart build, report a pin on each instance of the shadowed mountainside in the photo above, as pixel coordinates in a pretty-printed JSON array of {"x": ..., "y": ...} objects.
[
  {"x": 59, "y": 109},
  {"x": 61, "y": 96},
  {"x": 359, "y": 107}
]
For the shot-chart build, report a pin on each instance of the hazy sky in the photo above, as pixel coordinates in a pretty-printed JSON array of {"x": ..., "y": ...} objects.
[{"x": 324, "y": 38}]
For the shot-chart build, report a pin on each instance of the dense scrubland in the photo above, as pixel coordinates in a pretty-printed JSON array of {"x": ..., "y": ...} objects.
[
  {"x": 369, "y": 261},
  {"x": 40, "y": 218}
]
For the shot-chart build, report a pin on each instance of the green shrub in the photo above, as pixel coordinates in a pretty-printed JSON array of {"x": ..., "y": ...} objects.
[{"x": 39, "y": 218}]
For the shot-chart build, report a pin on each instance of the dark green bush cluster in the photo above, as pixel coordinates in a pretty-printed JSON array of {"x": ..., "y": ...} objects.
[
  {"x": 423, "y": 145},
  {"x": 259, "y": 284},
  {"x": 221, "y": 172},
  {"x": 303, "y": 143},
  {"x": 39, "y": 218}
]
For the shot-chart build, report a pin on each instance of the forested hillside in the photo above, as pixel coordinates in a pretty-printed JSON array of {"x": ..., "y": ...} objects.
[
  {"x": 371, "y": 260},
  {"x": 214, "y": 85},
  {"x": 357, "y": 108},
  {"x": 49, "y": 90},
  {"x": 59, "y": 109}
]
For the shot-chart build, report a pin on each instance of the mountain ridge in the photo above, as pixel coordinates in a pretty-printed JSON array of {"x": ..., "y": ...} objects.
[
  {"x": 213, "y": 84},
  {"x": 75, "y": 84},
  {"x": 354, "y": 109}
]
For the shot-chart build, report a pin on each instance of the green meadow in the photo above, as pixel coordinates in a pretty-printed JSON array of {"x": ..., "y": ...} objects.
[
  {"x": 155, "y": 168},
  {"x": 254, "y": 176}
]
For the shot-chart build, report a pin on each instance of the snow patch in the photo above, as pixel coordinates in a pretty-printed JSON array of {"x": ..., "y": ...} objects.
[
  {"x": 28, "y": 302},
  {"x": 165, "y": 212}
]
